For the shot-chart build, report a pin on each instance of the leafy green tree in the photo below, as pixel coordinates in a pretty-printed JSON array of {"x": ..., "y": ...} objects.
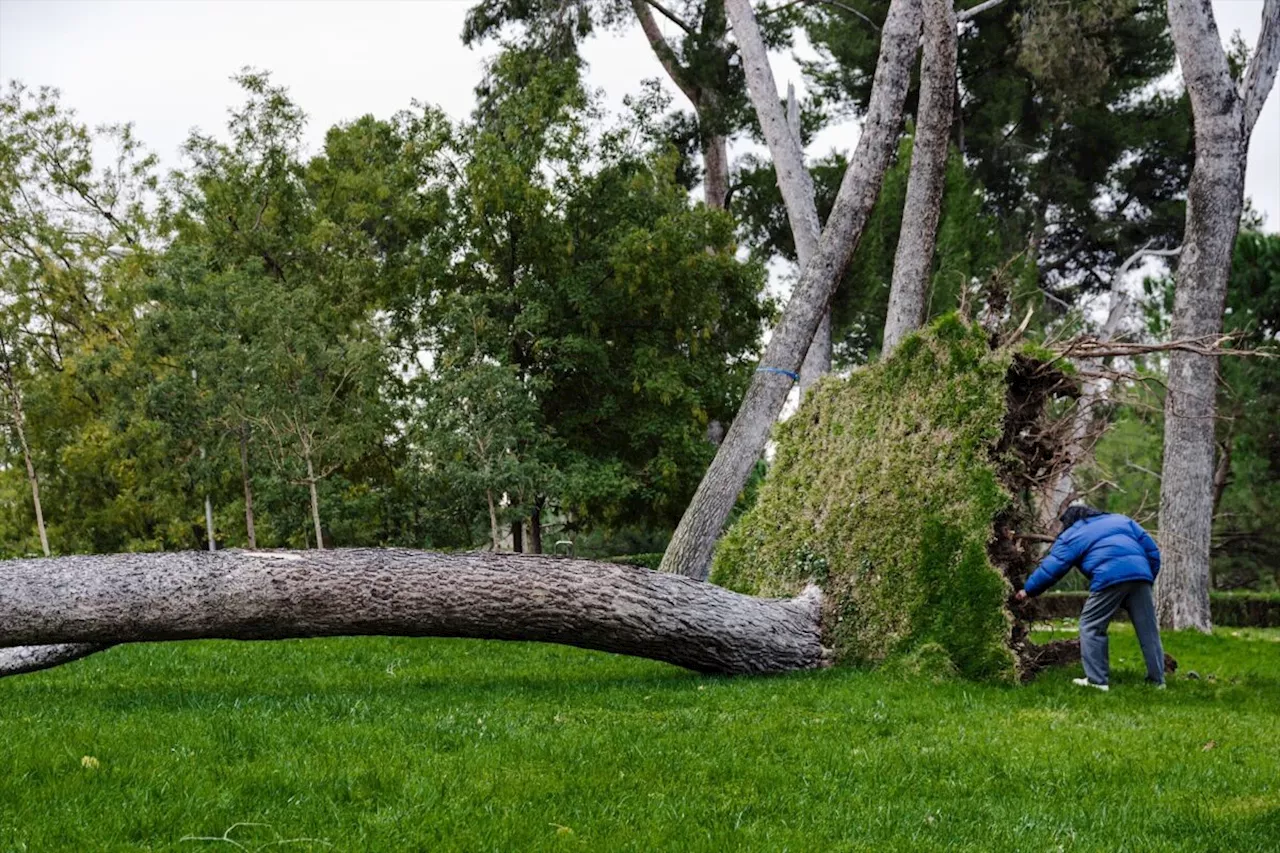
[{"x": 591, "y": 280}]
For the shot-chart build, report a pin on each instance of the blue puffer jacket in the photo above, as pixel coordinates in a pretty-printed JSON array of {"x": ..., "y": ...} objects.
[{"x": 1107, "y": 549}]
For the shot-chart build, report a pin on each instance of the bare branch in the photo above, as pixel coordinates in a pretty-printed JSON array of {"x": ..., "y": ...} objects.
[
  {"x": 1261, "y": 74},
  {"x": 967, "y": 14},
  {"x": 670, "y": 16}
]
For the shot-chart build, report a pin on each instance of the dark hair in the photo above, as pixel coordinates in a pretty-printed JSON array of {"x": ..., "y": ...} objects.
[{"x": 1078, "y": 512}]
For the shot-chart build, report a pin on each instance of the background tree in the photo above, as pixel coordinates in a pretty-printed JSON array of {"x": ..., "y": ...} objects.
[{"x": 1225, "y": 114}]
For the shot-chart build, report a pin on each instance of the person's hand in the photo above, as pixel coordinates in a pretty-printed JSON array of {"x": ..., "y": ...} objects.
[{"x": 1022, "y": 595}]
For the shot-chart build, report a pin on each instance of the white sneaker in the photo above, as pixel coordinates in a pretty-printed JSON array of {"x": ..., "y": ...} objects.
[{"x": 1084, "y": 682}]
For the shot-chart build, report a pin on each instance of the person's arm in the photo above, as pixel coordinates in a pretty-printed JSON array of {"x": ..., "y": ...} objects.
[
  {"x": 1149, "y": 545},
  {"x": 1061, "y": 557}
]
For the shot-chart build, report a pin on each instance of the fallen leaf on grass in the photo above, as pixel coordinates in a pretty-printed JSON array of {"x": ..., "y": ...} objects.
[
  {"x": 89, "y": 762},
  {"x": 1208, "y": 746}
]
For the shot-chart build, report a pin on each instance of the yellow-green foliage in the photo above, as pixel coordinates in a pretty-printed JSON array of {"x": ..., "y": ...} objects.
[{"x": 884, "y": 493}]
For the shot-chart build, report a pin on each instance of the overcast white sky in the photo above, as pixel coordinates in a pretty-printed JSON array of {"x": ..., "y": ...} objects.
[{"x": 165, "y": 64}]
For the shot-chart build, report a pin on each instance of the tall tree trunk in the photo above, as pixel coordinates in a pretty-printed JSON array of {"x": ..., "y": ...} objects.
[
  {"x": 208, "y": 523},
  {"x": 493, "y": 522},
  {"x": 1223, "y": 122},
  {"x": 517, "y": 536},
  {"x": 250, "y": 530},
  {"x": 315, "y": 503},
  {"x": 817, "y": 361},
  {"x": 715, "y": 166},
  {"x": 19, "y": 426},
  {"x": 913, "y": 262},
  {"x": 535, "y": 527},
  {"x": 694, "y": 541},
  {"x": 264, "y": 595}
]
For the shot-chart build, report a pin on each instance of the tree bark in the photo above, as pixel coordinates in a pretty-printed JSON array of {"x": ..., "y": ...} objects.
[
  {"x": 20, "y": 659},
  {"x": 817, "y": 361},
  {"x": 91, "y": 601},
  {"x": 517, "y": 536},
  {"x": 694, "y": 541},
  {"x": 1214, "y": 203},
  {"x": 913, "y": 261},
  {"x": 315, "y": 503},
  {"x": 250, "y": 530}
]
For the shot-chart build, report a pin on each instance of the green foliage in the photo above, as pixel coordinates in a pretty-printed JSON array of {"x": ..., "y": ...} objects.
[
  {"x": 388, "y": 744},
  {"x": 1081, "y": 157},
  {"x": 884, "y": 491}
]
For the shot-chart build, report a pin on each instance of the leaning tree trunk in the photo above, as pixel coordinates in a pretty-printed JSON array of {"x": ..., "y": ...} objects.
[
  {"x": 18, "y": 418},
  {"x": 315, "y": 503},
  {"x": 694, "y": 541},
  {"x": 817, "y": 361},
  {"x": 909, "y": 293},
  {"x": 87, "y": 602},
  {"x": 782, "y": 135},
  {"x": 1224, "y": 119}
]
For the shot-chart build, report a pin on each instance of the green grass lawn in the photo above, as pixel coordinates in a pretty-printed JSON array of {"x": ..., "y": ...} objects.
[{"x": 394, "y": 744}]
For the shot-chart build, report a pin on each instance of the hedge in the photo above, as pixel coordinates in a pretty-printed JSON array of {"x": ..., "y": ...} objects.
[{"x": 1229, "y": 609}]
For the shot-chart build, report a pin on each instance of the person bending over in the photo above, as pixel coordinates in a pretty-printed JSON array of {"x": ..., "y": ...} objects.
[{"x": 1121, "y": 562}]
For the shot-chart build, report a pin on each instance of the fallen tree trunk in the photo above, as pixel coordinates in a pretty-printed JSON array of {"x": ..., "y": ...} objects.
[{"x": 85, "y": 603}]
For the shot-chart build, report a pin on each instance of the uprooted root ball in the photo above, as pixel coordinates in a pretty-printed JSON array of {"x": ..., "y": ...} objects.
[{"x": 901, "y": 490}]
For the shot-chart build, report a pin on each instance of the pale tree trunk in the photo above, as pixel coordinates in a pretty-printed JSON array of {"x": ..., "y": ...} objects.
[
  {"x": 694, "y": 541},
  {"x": 315, "y": 501},
  {"x": 19, "y": 427},
  {"x": 493, "y": 522},
  {"x": 248, "y": 486},
  {"x": 1223, "y": 122},
  {"x": 94, "y": 601},
  {"x": 817, "y": 361},
  {"x": 715, "y": 165},
  {"x": 32, "y": 479},
  {"x": 1084, "y": 420},
  {"x": 913, "y": 261},
  {"x": 208, "y": 523}
]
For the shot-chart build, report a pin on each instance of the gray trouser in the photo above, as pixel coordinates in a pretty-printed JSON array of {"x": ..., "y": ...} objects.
[{"x": 1134, "y": 597}]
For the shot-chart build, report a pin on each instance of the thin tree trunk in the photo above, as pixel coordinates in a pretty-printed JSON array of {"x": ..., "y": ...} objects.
[
  {"x": 264, "y": 595},
  {"x": 535, "y": 528},
  {"x": 786, "y": 147},
  {"x": 208, "y": 523},
  {"x": 913, "y": 262},
  {"x": 817, "y": 361},
  {"x": 715, "y": 165},
  {"x": 19, "y": 426},
  {"x": 248, "y": 486},
  {"x": 315, "y": 503},
  {"x": 493, "y": 522},
  {"x": 1223, "y": 122},
  {"x": 694, "y": 541}
]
